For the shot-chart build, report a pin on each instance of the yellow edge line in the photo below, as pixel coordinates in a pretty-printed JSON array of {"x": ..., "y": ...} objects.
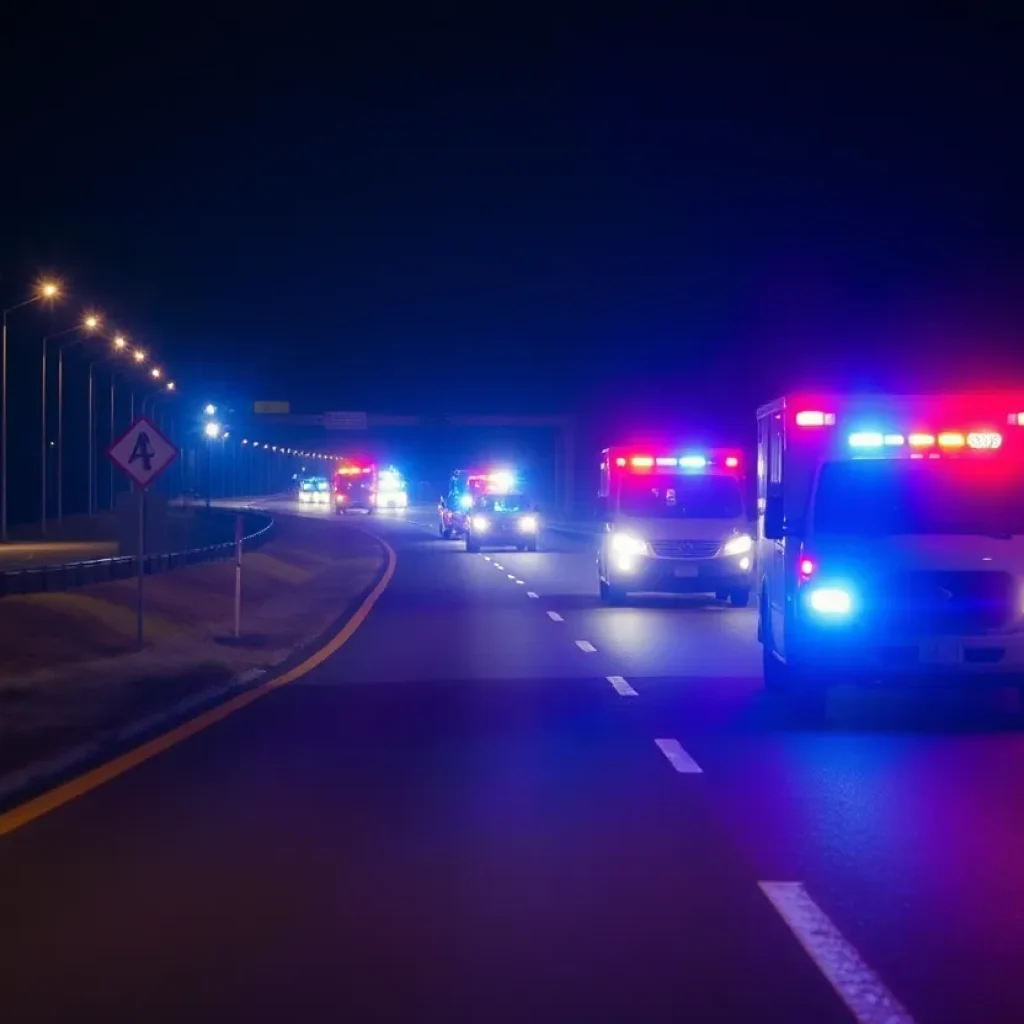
[{"x": 107, "y": 772}]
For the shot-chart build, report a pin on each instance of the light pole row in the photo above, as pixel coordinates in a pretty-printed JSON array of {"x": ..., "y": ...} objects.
[{"x": 89, "y": 327}]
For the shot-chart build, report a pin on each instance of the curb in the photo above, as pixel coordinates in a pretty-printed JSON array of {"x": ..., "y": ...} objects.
[{"x": 34, "y": 779}]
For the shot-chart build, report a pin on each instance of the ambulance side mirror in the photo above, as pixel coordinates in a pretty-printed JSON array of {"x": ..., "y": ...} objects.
[{"x": 774, "y": 518}]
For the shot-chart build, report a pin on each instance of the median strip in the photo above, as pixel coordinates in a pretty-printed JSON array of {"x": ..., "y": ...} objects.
[{"x": 70, "y": 673}]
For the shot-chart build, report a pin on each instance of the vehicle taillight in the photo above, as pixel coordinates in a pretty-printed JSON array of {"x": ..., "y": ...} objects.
[
  {"x": 732, "y": 462},
  {"x": 806, "y": 568}
]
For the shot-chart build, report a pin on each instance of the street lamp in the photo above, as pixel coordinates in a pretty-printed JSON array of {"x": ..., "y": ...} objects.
[
  {"x": 90, "y": 323},
  {"x": 210, "y": 410},
  {"x": 45, "y": 290}
]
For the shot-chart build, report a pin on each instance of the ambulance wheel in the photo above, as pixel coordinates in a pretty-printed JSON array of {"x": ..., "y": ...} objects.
[
  {"x": 610, "y": 594},
  {"x": 739, "y": 598}
]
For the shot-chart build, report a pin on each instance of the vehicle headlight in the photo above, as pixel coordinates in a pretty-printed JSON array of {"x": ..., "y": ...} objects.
[
  {"x": 480, "y": 523},
  {"x": 738, "y": 545},
  {"x": 627, "y": 544},
  {"x": 528, "y": 524},
  {"x": 830, "y": 601}
]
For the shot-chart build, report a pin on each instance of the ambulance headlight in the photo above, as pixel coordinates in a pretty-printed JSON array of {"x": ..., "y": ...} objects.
[
  {"x": 627, "y": 544},
  {"x": 528, "y": 524},
  {"x": 480, "y": 524},
  {"x": 830, "y": 601},
  {"x": 738, "y": 545}
]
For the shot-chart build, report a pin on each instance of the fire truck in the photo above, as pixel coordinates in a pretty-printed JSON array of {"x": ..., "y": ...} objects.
[
  {"x": 891, "y": 539},
  {"x": 674, "y": 522}
]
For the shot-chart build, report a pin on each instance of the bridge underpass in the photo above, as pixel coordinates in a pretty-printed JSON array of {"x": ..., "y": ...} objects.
[{"x": 427, "y": 448}]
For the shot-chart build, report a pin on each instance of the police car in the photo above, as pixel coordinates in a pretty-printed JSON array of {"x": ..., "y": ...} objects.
[{"x": 502, "y": 520}]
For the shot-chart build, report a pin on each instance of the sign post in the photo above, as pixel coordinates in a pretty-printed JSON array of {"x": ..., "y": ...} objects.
[
  {"x": 142, "y": 453},
  {"x": 239, "y": 531}
]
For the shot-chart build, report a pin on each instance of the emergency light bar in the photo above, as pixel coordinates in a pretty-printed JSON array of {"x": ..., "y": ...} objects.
[{"x": 643, "y": 462}]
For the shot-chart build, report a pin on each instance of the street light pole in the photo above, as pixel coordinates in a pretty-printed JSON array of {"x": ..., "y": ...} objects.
[
  {"x": 42, "y": 452},
  {"x": 113, "y": 377},
  {"x": 46, "y": 290}
]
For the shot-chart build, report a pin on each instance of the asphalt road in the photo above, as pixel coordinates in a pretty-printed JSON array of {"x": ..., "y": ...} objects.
[{"x": 501, "y": 801}]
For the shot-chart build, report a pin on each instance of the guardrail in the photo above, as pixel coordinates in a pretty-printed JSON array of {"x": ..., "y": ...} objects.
[{"x": 56, "y": 578}]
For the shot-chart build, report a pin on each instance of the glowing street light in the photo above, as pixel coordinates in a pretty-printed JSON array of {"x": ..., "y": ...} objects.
[
  {"x": 170, "y": 385},
  {"x": 49, "y": 290},
  {"x": 210, "y": 410},
  {"x": 91, "y": 322},
  {"x": 212, "y": 431},
  {"x": 139, "y": 356},
  {"x": 120, "y": 342},
  {"x": 156, "y": 373}
]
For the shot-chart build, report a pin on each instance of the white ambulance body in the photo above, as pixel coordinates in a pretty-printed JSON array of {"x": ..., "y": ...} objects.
[{"x": 890, "y": 539}]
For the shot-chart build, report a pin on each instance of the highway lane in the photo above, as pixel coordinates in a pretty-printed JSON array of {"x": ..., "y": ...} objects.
[
  {"x": 902, "y": 817},
  {"x": 455, "y": 817}
]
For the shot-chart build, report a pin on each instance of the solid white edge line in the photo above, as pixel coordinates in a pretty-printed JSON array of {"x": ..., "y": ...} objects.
[
  {"x": 530, "y": 593},
  {"x": 678, "y": 758},
  {"x": 864, "y": 993},
  {"x": 555, "y": 617},
  {"x": 622, "y": 688},
  {"x": 586, "y": 646}
]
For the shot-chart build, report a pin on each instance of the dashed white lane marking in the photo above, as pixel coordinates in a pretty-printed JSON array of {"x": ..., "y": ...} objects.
[
  {"x": 496, "y": 566},
  {"x": 523, "y": 582},
  {"x": 678, "y": 758},
  {"x": 555, "y": 617},
  {"x": 865, "y": 994},
  {"x": 487, "y": 558},
  {"x": 511, "y": 575},
  {"x": 530, "y": 593},
  {"x": 622, "y": 688},
  {"x": 586, "y": 645}
]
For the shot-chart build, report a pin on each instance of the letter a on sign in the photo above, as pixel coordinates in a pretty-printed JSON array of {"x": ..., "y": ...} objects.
[{"x": 142, "y": 452}]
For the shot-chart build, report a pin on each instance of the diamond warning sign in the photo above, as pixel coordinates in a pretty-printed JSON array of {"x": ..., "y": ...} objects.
[{"x": 142, "y": 452}]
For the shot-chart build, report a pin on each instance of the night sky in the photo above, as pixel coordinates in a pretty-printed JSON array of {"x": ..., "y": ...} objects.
[{"x": 527, "y": 215}]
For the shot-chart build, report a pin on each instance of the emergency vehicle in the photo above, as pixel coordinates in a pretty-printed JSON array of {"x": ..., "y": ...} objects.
[
  {"x": 355, "y": 486},
  {"x": 675, "y": 522},
  {"x": 314, "y": 490},
  {"x": 464, "y": 487},
  {"x": 891, "y": 539},
  {"x": 391, "y": 490},
  {"x": 502, "y": 520}
]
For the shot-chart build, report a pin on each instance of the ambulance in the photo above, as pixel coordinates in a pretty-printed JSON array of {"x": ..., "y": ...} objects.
[
  {"x": 355, "y": 486},
  {"x": 675, "y": 522},
  {"x": 391, "y": 490},
  {"x": 314, "y": 490},
  {"x": 891, "y": 539}
]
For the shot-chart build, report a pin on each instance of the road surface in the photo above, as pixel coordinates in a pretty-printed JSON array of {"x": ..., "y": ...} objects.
[{"x": 500, "y": 801}]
